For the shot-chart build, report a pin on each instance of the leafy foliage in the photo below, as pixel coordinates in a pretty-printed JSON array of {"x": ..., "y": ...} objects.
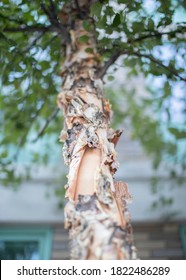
[{"x": 148, "y": 37}]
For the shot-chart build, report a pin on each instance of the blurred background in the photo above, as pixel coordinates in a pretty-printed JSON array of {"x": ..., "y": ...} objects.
[
  {"x": 147, "y": 101},
  {"x": 31, "y": 212}
]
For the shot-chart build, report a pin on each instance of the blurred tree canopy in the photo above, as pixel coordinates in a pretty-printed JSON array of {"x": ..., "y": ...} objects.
[{"x": 147, "y": 38}]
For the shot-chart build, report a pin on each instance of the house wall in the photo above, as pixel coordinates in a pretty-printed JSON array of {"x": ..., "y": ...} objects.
[
  {"x": 60, "y": 248},
  {"x": 158, "y": 240}
]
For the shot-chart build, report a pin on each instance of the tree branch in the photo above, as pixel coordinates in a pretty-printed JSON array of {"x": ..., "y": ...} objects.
[
  {"x": 36, "y": 28},
  {"x": 49, "y": 119},
  {"x": 116, "y": 55},
  {"x": 158, "y": 62},
  {"x": 79, "y": 9},
  {"x": 26, "y": 28},
  {"x": 157, "y": 34},
  {"x": 55, "y": 26},
  {"x": 53, "y": 17}
]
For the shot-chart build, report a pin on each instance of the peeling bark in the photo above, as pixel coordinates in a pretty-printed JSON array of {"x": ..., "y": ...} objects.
[{"x": 96, "y": 213}]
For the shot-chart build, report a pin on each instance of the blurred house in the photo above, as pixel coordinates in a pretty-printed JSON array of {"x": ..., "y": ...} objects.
[{"x": 31, "y": 224}]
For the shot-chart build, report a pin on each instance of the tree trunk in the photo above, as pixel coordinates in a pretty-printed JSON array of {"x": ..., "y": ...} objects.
[{"x": 96, "y": 213}]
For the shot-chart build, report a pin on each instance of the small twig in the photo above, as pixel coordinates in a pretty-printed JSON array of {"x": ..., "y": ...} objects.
[
  {"x": 53, "y": 8},
  {"x": 101, "y": 72},
  {"x": 33, "y": 42},
  {"x": 45, "y": 10},
  {"x": 49, "y": 119}
]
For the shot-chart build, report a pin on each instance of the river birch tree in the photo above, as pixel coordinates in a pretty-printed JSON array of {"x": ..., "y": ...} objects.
[{"x": 83, "y": 39}]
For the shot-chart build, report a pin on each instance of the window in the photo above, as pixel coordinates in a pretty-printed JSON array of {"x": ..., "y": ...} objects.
[
  {"x": 183, "y": 238},
  {"x": 25, "y": 243}
]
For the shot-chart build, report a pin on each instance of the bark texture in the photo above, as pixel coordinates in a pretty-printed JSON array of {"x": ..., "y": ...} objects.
[{"x": 96, "y": 213}]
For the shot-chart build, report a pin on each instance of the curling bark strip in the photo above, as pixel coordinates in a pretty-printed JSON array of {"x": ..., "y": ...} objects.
[{"x": 96, "y": 213}]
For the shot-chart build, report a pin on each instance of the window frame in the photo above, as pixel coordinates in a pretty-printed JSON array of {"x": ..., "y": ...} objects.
[{"x": 42, "y": 235}]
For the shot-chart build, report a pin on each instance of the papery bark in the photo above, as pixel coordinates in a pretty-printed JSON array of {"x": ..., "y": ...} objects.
[{"x": 96, "y": 213}]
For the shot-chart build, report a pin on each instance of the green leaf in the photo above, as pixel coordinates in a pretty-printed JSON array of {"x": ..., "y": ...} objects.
[
  {"x": 4, "y": 154},
  {"x": 96, "y": 9},
  {"x": 89, "y": 50},
  {"x": 179, "y": 134},
  {"x": 116, "y": 20},
  {"x": 167, "y": 90},
  {"x": 150, "y": 24},
  {"x": 136, "y": 26},
  {"x": 102, "y": 22},
  {"x": 83, "y": 39},
  {"x": 86, "y": 25},
  {"x": 110, "y": 78},
  {"x": 44, "y": 64}
]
